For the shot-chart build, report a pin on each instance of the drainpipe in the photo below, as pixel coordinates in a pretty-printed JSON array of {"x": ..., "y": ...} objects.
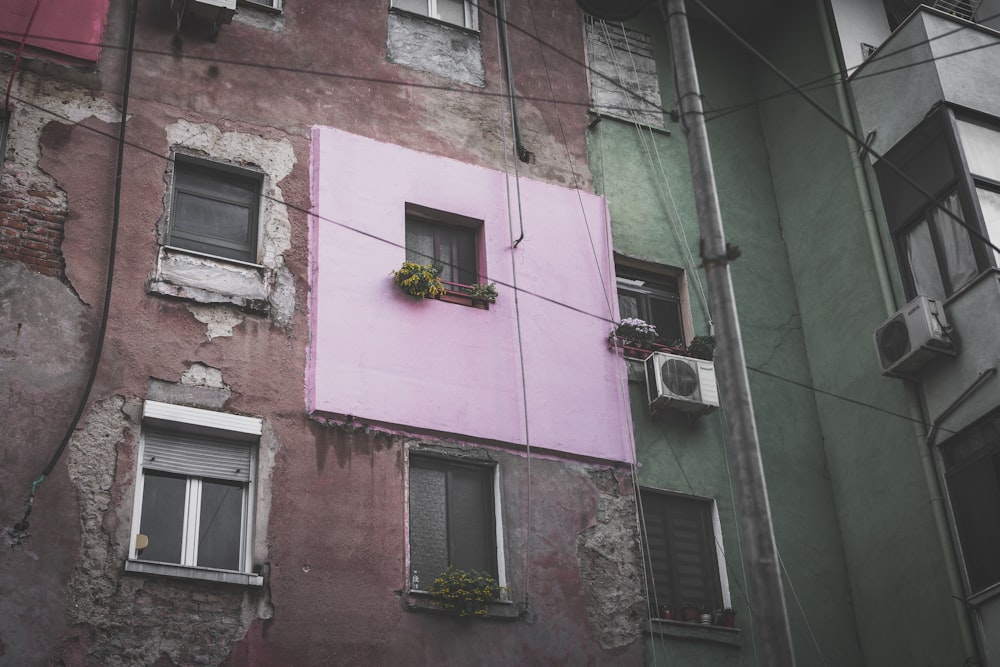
[
  {"x": 885, "y": 287},
  {"x": 523, "y": 154}
]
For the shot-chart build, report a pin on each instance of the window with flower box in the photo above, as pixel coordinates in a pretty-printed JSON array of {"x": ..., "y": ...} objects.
[
  {"x": 449, "y": 243},
  {"x": 653, "y": 297},
  {"x": 452, "y": 519}
]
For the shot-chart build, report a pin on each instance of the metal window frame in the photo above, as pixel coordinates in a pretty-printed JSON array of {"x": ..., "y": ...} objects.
[{"x": 252, "y": 181}]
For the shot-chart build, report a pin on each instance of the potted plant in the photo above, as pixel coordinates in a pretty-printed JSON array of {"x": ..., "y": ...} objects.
[
  {"x": 690, "y": 613},
  {"x": 725, "y": 617},
  {"x": 419, "y": 280},
  {"x": 702, "y": 347},
  {"x": 484, "y": 292},
  {"x": 465, "y": 592},
  {"x": 634, "y": 332}
]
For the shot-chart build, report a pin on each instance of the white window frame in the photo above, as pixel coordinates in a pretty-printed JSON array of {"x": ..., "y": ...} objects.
[
  {"x": 471, "y": 13},
  {"x": 497, "y": 523},
  {"x": 270, "y": 5},
  {"x": 168, "y": 417}
]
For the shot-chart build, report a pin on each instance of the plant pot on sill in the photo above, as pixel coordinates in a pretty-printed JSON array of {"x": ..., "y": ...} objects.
[
  {"x": 726, "y": 618},
  {"x": 690, "y": 614}
]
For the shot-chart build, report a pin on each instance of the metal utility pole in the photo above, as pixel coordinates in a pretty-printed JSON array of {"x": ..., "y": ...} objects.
[{"x": 770, "y": 616}]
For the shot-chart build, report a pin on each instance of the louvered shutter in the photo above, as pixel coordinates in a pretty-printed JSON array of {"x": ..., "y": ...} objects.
[{"x": 197, "y": 456}]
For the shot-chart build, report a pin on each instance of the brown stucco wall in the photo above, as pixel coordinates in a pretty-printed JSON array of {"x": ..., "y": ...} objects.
[{"x": 333, "y": 546}]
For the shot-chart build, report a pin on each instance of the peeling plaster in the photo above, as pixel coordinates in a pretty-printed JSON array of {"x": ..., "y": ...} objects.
[
  {"x": 200, "y": 375},
  {"x": 124, "y": 619},
  {"x": 51, "y": 101},
  {"x": 274, "y": 158},
  {"x": 266, "y": 288},
  {"x": 220, "y": 321},
  {"x": 610, "y": 565}
]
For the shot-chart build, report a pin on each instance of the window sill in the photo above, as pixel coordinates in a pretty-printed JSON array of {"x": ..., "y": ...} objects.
[
  {"x": 715, "y": 634},
  {"x": 205, "y": 278},
  {"x": 598, "y": 116},
  {"x": 197, "y": 573},
  {"x": 432, "y": 20},
  {"x": 421, "y": 601}
]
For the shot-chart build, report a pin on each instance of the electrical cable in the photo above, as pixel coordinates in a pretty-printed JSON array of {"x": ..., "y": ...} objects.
[
  {"x": 17, "y": 58},
  {"x": 520, "y": 290},
  {"x": 22, "y": 526},
  {"x": 517, "y": 318}
]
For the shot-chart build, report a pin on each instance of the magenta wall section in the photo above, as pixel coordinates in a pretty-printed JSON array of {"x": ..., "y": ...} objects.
[
  {"x": 70, "y": 27},
  {"x": 381, "y": 356}
]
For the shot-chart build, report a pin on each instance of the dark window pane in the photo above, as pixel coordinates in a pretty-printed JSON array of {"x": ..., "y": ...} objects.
[
  {"x": 450, "y": 249},
  {"x": 428, "y": 525},
  {"x": 679, "y": 545},
  {"x": 665, "y": 315},
  {"x": 220, "y": 527},
  {"x": 451, "y": 519},
  {"x": 470, "y": 519},
  {"x": 972, "y": 461},
  {"x": 653, "y": 298},
  {"x": 214, "y": 211},
  {"x": 163, "y": 516}
]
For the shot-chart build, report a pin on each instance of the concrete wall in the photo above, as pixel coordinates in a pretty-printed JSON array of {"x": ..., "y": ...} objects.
[
  {"x": 932, "y": 57},
  {"x": 859, "y": 22},
  {"x": 872, "y": 450},
  {"x": 444, "y": 366}
]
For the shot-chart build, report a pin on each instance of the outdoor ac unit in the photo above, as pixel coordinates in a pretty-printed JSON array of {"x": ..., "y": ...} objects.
[
  {"x": 912, "y": 337},
  {"x": 216, "y": 11},
  {"x": 681, "y": 383}
]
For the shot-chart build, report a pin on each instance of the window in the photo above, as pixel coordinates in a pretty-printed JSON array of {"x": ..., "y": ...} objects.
[
  {"x": 194, "y": 493},
  {"x": 263, "y": 4},
  {"x": 457, "y": 12},
  {"x": 981, "y": 145},
  {"x": 452, "y": 519},
  {"x": 451, "y": 247},
  {"x": 972, "y": 472},
  {"x": 215, "y": 209},
  {"x": 652, "y": 297},
  {"x": 937, "y": 255},
  {"x": 623, "y": 80},
  {"x": 681, "y": 550}
]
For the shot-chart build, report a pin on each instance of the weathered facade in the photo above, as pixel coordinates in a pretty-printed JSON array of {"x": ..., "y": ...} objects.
[
  {"x": 280, "y": 450},
  {"x": 256, "y": 342}
]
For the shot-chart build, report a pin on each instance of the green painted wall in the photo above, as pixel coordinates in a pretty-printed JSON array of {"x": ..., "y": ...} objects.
[
  {"x": 892, "y": 550},
  {"x": 691, "y": 458}
]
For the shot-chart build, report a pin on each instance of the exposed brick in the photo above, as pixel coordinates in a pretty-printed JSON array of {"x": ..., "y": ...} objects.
[{"x": 31, "y": 224}]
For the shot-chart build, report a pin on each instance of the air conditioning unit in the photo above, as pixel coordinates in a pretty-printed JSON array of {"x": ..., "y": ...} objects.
[
  {"x": 913, "y": 336},
  {"x": 681, "y": 383},
  {"x": 216, "y": 11}
]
